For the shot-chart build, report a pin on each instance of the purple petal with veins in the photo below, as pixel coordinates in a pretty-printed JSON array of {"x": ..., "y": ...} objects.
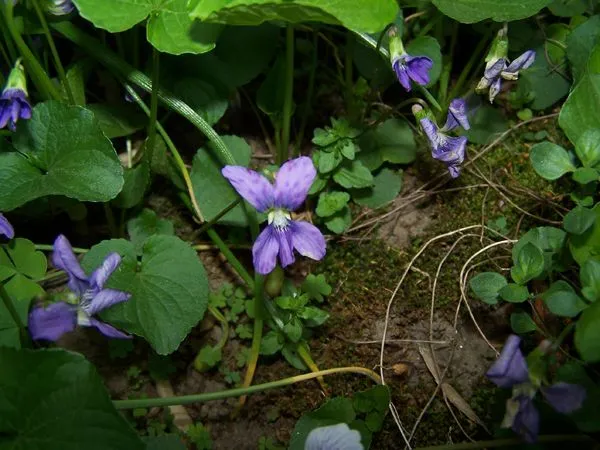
[
  {"x": 292, "y": 183},
  {"x": 510, "y": 368},
  {"x": 51, "y": 322},
  {"x": 251, "y": 185}
]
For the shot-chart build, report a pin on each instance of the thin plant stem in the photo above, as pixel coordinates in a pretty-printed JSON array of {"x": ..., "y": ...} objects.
[
  {"x": 209, "y": 396},
  {"x": 304, "y": 353},
  {"x": 288, "y": 98},
  {"x": 9, "y": 63},
  {"x": 35, "y": 70},
  {"x": 55, "y": 56},
  {"x": 10, "y": 307},
  {"x": 228, "y": 254},
  {"x": 309, "y": 95},
  {"x": 428, "y": 97},
  {"x": 7, "y": 38},
  {"x": 154, "y": 105},
  {"x": 50, "y": 248},
  {"x": 348, "y": 84},
  {"x": 224, "y": 325},
  {"x": 475, "y": 57}
]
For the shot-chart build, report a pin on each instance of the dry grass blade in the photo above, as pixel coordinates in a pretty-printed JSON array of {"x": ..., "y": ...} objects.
[{"x": 181, "y": 418}]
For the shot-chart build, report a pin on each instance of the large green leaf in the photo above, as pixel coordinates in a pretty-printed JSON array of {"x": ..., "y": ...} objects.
[
  {"x": 392, "y": 141},
  {"x": 486, "y": 124},
  {"x": 550, "y": 161},
  {"x": 587, "y": 245},
  {"x": 118, "y": 120},
  {"x": 60, "y": 151},
  {"x": 362, "y": 15},
  {"x": 470, "y": 11},
  {"x": 587, "y": 334},
  {"x": 580, "y": 112},
  {"x": 55, "y": 400},
  {"x": 580, "y": 44},
  {"x": 169, "y": 28},
  {"x": 169, "y": 289},
  {"x": 213, "y": 192},
  {"x": 387, "y": 185}
]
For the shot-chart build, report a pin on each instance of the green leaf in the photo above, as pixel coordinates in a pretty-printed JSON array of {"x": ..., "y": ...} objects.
[
  {"x": 147, "y": 224},
  {"x": 206, "y": 99},
  {"x": 353, "y": 175},
  {"x": 164, "y": 442},
  {"x": 580, "y": 112},
  {"x": 514, "y": 293},
  {"x": 331, "y": 202},
  {"x": 470, "y": 11},
  {"x": 561, "y": 300},
  {"x": 386, "y": 187},
  {"x": 587, "y": 334},
  {"x": 529, "y": 264},
  {"x": 587, "y": 244},
  {"x": 567, "y": 8},
  {"x": 313, "y": 316},
  {"x": 487, "y": 285},
  {"x": 293, "y": 330},
  {"x": 486, "y": 124},
  {"x": 587, "y": 148},
  {"x": 334, "y": 411},
  {"x": 60, "y": 151},
  {"x": 208, "y": 356},
  {"x": 427, "y": 46},
  {"x": 364, "y": 15},
  {"x": 270, "y": 97},
  {"x": 550, "y": 240},
  {"x": 348, "y": 149},
  {"x": 375, "y": 399},
  {"x": 169, "y": 277},
  {"x": 65, "y": 406},
  {"x": 213, "y": 192},
  {"x": 316, "y": 287},
  {"x": 169, "y": 27},
  {"x": 585, "y": 175},
  {"x": 137, "y": 180},
  {"x": 522, "y": 323},
  {"x": 391, "y": 141},
  {"x": 580, "y": 44},
  {"x": 326, "y": 161},
  {"x": 271, "y": 343},
  {"x": 589, "y": 276},
  {"x": 550, "y": 161},
  {"x": 579, "y": 220},
  {"x": 118, "y": 120},
  {"x": 340, "y": 221}
]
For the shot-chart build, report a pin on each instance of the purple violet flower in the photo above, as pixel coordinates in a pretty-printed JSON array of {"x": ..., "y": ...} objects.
[
  {"x": 6, "y": 228},
  {"x": 510, "y": 371},
  {"x": 333, "y": 437},
  {"x": 60, "y": 7},
  {"x": 53, "y": 321},
  {"x": 282, "y": 234},
  {"x": 448, "y": 149},
  {"x": 498, "y": 69},
  {"x": 14, "y": 104},
  {"x": 415, "y": 68}
]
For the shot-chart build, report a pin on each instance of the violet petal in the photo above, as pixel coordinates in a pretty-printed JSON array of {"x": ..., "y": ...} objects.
[
  {"x": 6, "y": 228},
  {"x": 510, "y": 368},
  {"x": 431, "y": 131},
  {"x": 522, "y": 62},
  {"x": 251, "y": 185},
  {"x": 527, "y": 420},
  {"x": 418, "y": 68},
  {"x": 564, "y": 397},
  {"x": 286, "y": 250},
  {"x": 292, "y": 182},
  {"x": 105, "y": 270},
  {"x": 451, "y": 149},
  {"x": 52, "y": 322},
  {"x": 402, "y": 74},
  {"x": 63, "y": 258},
  {"x": 333, "y": 437},
  {"x": 108, "y": 330},
  {"x": 493, "y": 69},
  {"x": 105, "y": 299},
  {"x": 308, "y": 240},
  {"x": 265, "y": 250},
  {"x": 495, "y": 89},
  {"x": 457, "y": 115}
]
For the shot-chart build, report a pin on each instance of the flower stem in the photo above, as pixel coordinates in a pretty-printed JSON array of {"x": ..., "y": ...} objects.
[
  {"x": 231, "y": 258},
  {"x": 10, "y": 307},
  {"x": 154, "y": 110},
  {"x": 35, "y": 70},
  {"x": 288, "y": 99},
  {"x": 509, "y": 442},
  {"x": 224, "y": 325},
  {"x": 309, "y": 94},
  {"x": 196, "y": 398},
  {"x": 50, "y": 248},
  {"x": 475, "y": 56},
  {"x": 304, "y": 353},
  {"x": 57, "y": 63}
]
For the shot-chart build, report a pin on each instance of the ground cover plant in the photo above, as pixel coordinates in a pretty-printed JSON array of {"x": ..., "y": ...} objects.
[{"x": 299, "y": 224}]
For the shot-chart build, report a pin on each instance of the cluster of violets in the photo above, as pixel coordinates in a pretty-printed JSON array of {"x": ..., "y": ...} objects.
[{"x": 511, "y": 371}]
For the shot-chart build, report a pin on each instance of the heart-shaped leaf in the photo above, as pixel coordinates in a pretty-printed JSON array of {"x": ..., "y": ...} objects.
[
  {"x": 550, "y": 161},
  {"x": 470, "y": 11}
]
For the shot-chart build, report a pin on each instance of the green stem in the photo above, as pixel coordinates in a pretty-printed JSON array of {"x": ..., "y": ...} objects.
[
  {"x": 52, "y": 276},
  {"x": 428, "y": 97},
  {"x": 348, "y": 84},
  {"x": 55, "y": 56},
  {"x": 11, "y": 48},
  {"x": 38, "y": 75},
  {"x": 224, "y": 325},
  {"x": 50, "y": 248},
  {"x": 475, "y": 57},
  {"x": 235, "y": 263},
  {"x": 9, "y": 305},
  {"x": 288, "y": 99},
  {"x": 309, "y": 94},
  {"x": 509, "y": 442},
  {"x": 197, "y": 398},
  {"x": 154, "y": 103},
  {"x": 216, "y": 218}
]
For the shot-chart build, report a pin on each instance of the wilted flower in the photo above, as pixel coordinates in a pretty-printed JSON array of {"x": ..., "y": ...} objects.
[
  {"x": 282, "y": 234},
  {"x": 510, "y": 371},
  {"x": 91, "y": 297},
  {"x": 498, "y": 67},
  {"x": 60, "y": 7},
  {"x": 6, "y": 228},
  {"x": 448, "y": 149},
  {"x": 14, "y": 104},
  {"x": 333, "y": 437},
  {"x": 407, "y": 67}
]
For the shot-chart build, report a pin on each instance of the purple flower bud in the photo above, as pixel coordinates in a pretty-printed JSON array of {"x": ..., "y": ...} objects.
[
  {"x": 60, "y": 7},
  {"x": 499, "y": 69},
  {"x": 6, "y": 228},
  {"x": 282, "y": 234},
  {"x": 53, "y": 321},
  {"x": 415, "y": 68},
  {"x": 510, "y": 368},
  {"x": 14, "y": 104}
]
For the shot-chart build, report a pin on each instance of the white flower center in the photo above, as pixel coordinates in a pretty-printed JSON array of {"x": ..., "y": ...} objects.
[
  {"x": 83, "y": 315},
  {"x": 279, "y": 218}
]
